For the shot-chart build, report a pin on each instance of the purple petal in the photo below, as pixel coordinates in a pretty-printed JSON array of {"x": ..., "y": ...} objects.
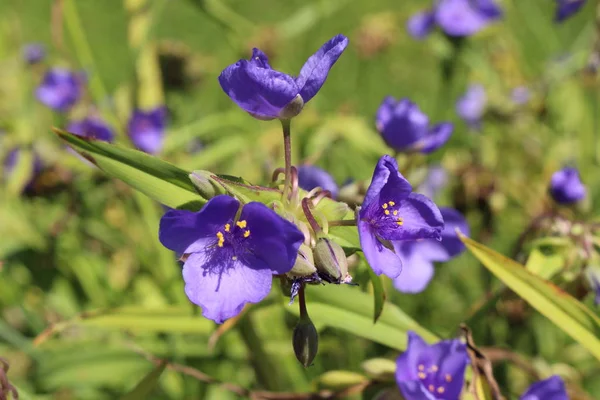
[
  {"x": 418, "y": 269},
  {"x": 421, "y": 220},
  {"x": 415, "y": 390},
  {"x": 552, "y": 388},
  {"x": 566, "y": 186},
  {"x": 222, "y": 289},
  {"x": 260, "y": 59},
  {"x": 460, "y": 17},
  {"x": 566, "y": 8},
  {"x": 471, "y": 106},
  {"x": 407, "y": 362},
  {"x": 92, "y": 127},
  {"x": 385, "y": 112},
  {"x": 489, "y": 9},
  {"x": 272, "y": 239},
  {"x": 310, "y": 177},
  {"x": 180, "y": 229},
  {"x": 263, "y": 92},
  {"x": 315, "y": 70},
  {"x": 34, "y": 53},
  {"x": 406, "y": 127},
  {"x": 436, "y": 138},
  {"x": 147, "y": 129},
  {"x": 421, "y": 24},
  {"x": 381, "y": 259},
  {"x": 60, "y": 89},
  {"x": 385, "y": 170},
  {"x": 451, "y": 245}
]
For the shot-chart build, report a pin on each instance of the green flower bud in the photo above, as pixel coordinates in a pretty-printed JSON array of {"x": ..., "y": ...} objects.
[
  {"x": 207, "y": 186},
  {"x": 331, "y": 261},
  {"x": 305, "y": 341},
  {"x": 305, "y": 264}
]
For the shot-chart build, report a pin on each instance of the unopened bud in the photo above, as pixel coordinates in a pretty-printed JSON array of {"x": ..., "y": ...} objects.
[
  {"x": 305, "y": 264},
  {"x": 305, "y": 341},
  {"x": 207, "y": 186},
  {"x": 330, "y": 260},
  {"x": 293, "y": 108}
]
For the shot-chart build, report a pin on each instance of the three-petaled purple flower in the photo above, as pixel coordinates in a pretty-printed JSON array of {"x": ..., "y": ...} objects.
[
  {"x": 566, "y": 186},
  {"x": 391, "y": 214},
  {"x": 552, "y": 388},
  {"x": 33, "y": 53},
  {"x": 454, "y": 17},
  {"x": 471, "y": 106},
  {"x": 404, "y": 127},
  {"x": 60, "y": 89},
  {"x": 147, "y": 129},
  {"x": 310, "y": 177},
  {"x": 418, "y": 256},
  {"x": 432, "y": 372},
  {"x": 92, "y": 127},
  {"x": 566, "y": 8},
  {"x": 230, "y": 260},
  {"x": 266, "y": 93}
]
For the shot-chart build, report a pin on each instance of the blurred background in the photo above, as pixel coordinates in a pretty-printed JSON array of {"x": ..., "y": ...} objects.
[{"x": 74, "y": 242}]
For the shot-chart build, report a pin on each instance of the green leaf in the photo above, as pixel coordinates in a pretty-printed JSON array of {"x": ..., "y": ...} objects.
[
  {"x": 347, "y": 308},
  {"x": 544, "y": 265},
  {"x": 155, "y": 178},
  {"x": 145, "y": 387},
  {"x": 246, "y": 192},
  {"x": 559, "y": 307},
  {"x": 345, "y": 236},
  {"x": 378, "y": 294}
]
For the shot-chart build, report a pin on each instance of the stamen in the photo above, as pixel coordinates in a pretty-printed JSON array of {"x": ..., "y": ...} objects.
[
  {"x": 384, "y": 206},
  {"x": 395, "y": 212},
  {"x": 434, "y": 368},
  {"x": 387, "y": 212},
  {"x": 421, "y": 367},
  {"x": 448, "y": 378},
  {"x": 241, "y": 224},
  {"x": 400, "y": 221},
  {"x": 441, "y": 390},
  {"x": 431, "y": 388},
  {"x": 391, "y": 203},
  {"x": 247, "y": 233},
  {"x": 234, "y": 258},
  {"x": 221, "y": 239},
  {"x": 227, "y": 227},
  {"x": 422, "y": 375}
]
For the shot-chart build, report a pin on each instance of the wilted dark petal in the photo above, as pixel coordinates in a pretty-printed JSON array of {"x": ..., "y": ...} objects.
[
  {"x": 421, "y": 219},
  {"x": 180, "y": 229},
  {"x": 459, "y": 17},
  {"x": 381, "y": 259},
  {"x": 552, "y": 388},
  {"x": 421, "y": 24},
  {"x": 223, "y": 286},
  {"x": 385, "y": 112},
  {"x": 315, "y": 70},
  {"x": 417, "y": 267},
  {"x": 436, "y": 138},
  {"x": 386, "y": 171},
  {"x": 258, "y": 90},
  {"x": 92, "y": 127},
  {"x": 566, "y": 8},
  {"x": 566, "y": 186},
  {"x": 259, "y": 59},
  {"x": 310, "y": 177},
  {"x": 272, "y": 240},
  {"x": 147, "y": 129},
  {"x": 407, "y": 126}
]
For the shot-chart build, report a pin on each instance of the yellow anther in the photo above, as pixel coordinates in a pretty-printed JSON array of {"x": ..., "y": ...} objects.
[
  {"x": 448, "y": 378},
  {"x": 384, "y": 206},
  {"x": 391, "y": 203},
  {"x": 221, "y": 239},
  {"x": 434, "y": 368},
  {"x": 234, "y": 258},
  {"x": 387, "y": 212},
  {"x": 247, "y": 233},
  {"x": 395, "y": 212},
  {"x": 241, "y": 224},
  {"x": 422, "y": 375},
  {"x": 400, "y": 221},
  {"x": 431, "y": 388},
  {"x": 227, "y": 227},
  {"x": 441, "y": 390},
  {"x": 421, "y": 367}
]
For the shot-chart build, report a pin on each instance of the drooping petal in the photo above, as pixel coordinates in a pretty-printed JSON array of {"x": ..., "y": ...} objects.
[
  {"x": 310, "y": 177},
  {"x": 260, "y": 91},
  {"x": 421, "y": 219},
  {"x": 459, "y": 17},
  {"x": 566, "y": 8},
  {"x": 222, "y": 288},
  {"x": 436, "y": 138},
  {"x": 552, "y": 388},
  {"x": 314, "y": 72},
  {"x": 421, "y": 24},
  {"x": 272, "y": 239},
  {"x": 417, "y": 268},
  {"x": 180, "y": 229},
  {"x": 381, "y": 259},
  {"x": 386, "y": 171}
]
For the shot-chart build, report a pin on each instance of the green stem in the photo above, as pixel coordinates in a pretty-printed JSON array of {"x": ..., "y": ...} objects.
[
  {"x": 343, "y": 222},
  {"x": 287, "y": 148}
]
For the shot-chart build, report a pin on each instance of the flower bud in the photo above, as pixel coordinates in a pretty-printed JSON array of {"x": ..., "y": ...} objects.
[
  {"x": 304, "y": 265},
  {"x": 305, "y": 341},
  {"x": 330, "y": 260},
  {"x": 293, "y": 108},
  {"x": 206, "y": 185}
]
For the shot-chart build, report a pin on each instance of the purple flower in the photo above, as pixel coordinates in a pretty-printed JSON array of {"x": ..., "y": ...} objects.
[
  {"x": 390, "y": 214},
  {"x": 92, "y": 127},
  {"x": 566, "y": 8},
  {"x": 431, "y": 372},
  {"x": 552, "y": 388},
  {"x": 60, "y": 89},
  {"x": 471, "y": 106},
  {"x": 566, "y": 186},
  {"x": 435, "y": 181},
  {"x": 33, "y": 53},
  {"x": 520, "y": 95},
  {"x": 418, "y": 256},
  {"x": 230, "y": 261},
  {"x": 310, "y": 177},
  {"x": 454, "y": 17},
  {"x": 147, "y": 129},
  {"x": 267, "y": 94},
  {"x": 404, "y": 127}
]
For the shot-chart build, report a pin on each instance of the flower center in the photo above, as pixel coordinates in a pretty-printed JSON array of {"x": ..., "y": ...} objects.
[
  {"x": 430, "y": 379},
  {"x": 233, "y": 235},
  {"x": 391, "y": 212}
]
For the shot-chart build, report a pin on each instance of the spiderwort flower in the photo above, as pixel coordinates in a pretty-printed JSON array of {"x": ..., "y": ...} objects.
[
  {"x": 229, "y": 261},
  {"x": 404, "y": 127},
  {"x": 92, "y": 127},
  {"x": 60, "y": 89},
  {"x": 471, "y": 106},
  {"x": 455, "y": 17},
  {"x": 266, "y": 93},
  {"x": 147, "y": 129},
  {"x": 431, "y": 372},
  {"x": 566, "y": 8},
  {"x": 310, "y": 177},
  {"x": 418, "y": 256},
  {"x": 566, "y": 186},
  {"x": 552, "y": 388},
  {"x": 389, "y": 214},
  {"x": 33, "y": 53}
]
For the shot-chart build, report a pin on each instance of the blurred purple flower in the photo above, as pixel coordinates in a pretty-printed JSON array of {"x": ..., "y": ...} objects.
[
  {"x": 33, "y": 53},
  {"x": 566, "y": 8},
  {"x": 418, "y": 256},
  {"x": 454, "y": 17},
  {"x": 92, "y": 127},
  {"x": 552, "y": 388},
  {"x": 520, "y": 95},
  {"x": 230, "y": 262},
  {"x": 11, "y": 161},
  {"x": 390, "y": 214},
  {"x": 566, "y": 186},
  {"x": 147, "y": 129},
  {"x": 471, "y": 106},
  {"x": 435, "y": 181},
  {"x": 60, "y": 89},
  {"x": 267, "y": 94},
  {"x": 431, "y": 372},
  {"x": 404, "y": 127},
  {"x": 310, "y": 177}
]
